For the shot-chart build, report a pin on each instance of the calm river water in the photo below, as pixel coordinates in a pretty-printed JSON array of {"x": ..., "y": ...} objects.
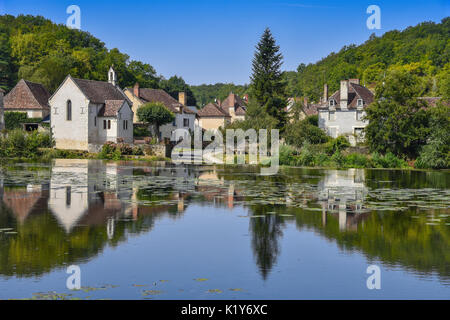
[{"x": 177, "y": 232}]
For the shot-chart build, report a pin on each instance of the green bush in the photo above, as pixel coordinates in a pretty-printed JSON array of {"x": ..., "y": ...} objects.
[
  {"x": 431, "y": 157},
  {"x": 338, "y": 144},
  {"x": 357, "y": 160},
  {"x": 388, "y": 161},
  {"x": 20, "y": 144},
  {"x": 299, "y": 132},
  {"x": 14, "y": 120},
  {"x": 287, "y": 155},
  {"x": 140, "y": 131}
]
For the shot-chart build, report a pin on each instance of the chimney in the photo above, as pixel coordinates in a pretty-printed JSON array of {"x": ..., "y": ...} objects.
[
  {"x": 325, "y": 93},
  {"x": 344, "y": 94},
  {"x": 136, "y": 89},
  {"x": 182, "y": 98},
  {"x": 218, "y": 102},
  {"x": 232, "y": 100},
  {"x": 355, "y": 81},
  {"x": 2, "y": 111}
]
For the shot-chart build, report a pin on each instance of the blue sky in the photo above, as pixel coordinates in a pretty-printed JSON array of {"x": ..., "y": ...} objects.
[{"x": 213, "y": 41}]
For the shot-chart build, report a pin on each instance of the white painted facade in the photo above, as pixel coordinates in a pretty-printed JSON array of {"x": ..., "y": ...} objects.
[
  {"x": 182, "y": 121},
  {"x": 85, "y": 130}
]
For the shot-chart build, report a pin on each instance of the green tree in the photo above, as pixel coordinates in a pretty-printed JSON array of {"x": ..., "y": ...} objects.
[
  {"x": 398, "y": 121},
  {"x": 267, "y": 86},
  {"x": 175, "y": 85},
  {"x": 155, "y": 114}
]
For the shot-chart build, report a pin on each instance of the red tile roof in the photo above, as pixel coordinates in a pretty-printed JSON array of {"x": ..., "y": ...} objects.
[
  {"x": 111, "y": 108},
  {"x": 212, "y": 110},
  {"x": 27, "y": 95},
  {"x": 233, "y": 100},
  {"x": 355, "y": 92},
  {"x": 158, "y": 95}
]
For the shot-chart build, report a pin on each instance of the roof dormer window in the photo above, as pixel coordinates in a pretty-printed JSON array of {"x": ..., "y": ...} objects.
[
  {"x": 332, "y": 103},
  {"x": 360, "y": 102}
]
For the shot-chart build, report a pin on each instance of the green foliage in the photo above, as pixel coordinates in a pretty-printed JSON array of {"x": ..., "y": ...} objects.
[
  {"x": 287, "y": 154},
  {"x": 41, "y": 51},
  {"x": 110, "y": 151},
  {"x": 336, "y": 145},
  {"x": 155, "y": 113},
  {"x": 175, "y": 85},
  {"x": 424, "y": 47},
  {"x": 387, "y": 161},
  {"x": 267, "y": 88},
  {"x": 207, "y": 93},
  {"x": 436, "y": 154},
  {"x": 398, "y": 121},
  {"x": 140, "y": 131},
  {"x": 14, "y": 120},
  {"x": 299, "y": 132},
  {"x": 20, "y": 144}
]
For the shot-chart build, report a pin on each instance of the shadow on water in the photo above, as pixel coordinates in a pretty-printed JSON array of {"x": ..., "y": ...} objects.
[{"x": 69, "y": 212}]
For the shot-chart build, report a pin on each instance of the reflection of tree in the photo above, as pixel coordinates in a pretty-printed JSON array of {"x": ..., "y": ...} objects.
[
  {"x": 393, "y": 238},
  {"x": 265, "y": 233}
]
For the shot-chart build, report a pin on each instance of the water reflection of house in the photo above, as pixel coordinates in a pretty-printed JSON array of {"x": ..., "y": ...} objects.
[
  {"x": 88, "y": 192},
  {"x": 24, "y": 201},
  {"x": 216, "y": 190},
  {"x": 343, "y": 192}
]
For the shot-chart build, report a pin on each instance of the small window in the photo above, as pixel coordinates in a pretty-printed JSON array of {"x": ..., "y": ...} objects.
[
  {"x": 186, "y": 122},
  {"x": 69, "y": 110},
  {"x": 360, "y": 102},
  {"x": 332, "y": 116},
  {"x": 104, "y": 124},
  {"x": 95, "y": 121},
  {"x": 332, "y": 103},
  {"x": 174, "y": 123},
  {"x": 125, "y": 124},
  {"x": 109, "y": 124}
]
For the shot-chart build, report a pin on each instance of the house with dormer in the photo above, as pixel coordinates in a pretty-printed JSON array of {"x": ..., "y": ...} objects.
[
  {"x": 184, "y": 116},
  {"x": 85, "y": 114},
  {"x": 342, "y": 113}
]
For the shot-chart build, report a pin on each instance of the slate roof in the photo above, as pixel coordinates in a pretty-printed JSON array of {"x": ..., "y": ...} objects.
[
  {"x": 212, "y": 110},
  {"x": 433, "y": 101},
  {"x": 99, "y": 91},
  {"x": 111, "y": 108},
  {"x": 27, "y": 95}
]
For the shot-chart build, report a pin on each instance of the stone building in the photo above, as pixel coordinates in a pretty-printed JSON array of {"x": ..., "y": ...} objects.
[
  {"x": 235, "y": 106},
  {"x": 86, "y": 114},
  {"x": 343, "y": 112},
  {"x": 28, "y": 97},
  {"x": 184, "y": 116},
  {"x": 213, "y": 117}
]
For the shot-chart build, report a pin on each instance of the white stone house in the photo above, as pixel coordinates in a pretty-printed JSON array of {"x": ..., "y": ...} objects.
[
  {"x": 184, "y": 116},
  {"x": 342, "y": 114},
  {"x": 86, "y": 114}
]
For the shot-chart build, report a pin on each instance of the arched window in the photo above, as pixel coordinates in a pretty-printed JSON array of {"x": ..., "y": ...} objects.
[{"x": 69, "y": 110}]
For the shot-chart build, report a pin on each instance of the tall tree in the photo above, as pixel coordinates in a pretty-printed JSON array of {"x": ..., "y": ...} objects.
[{"x": 267, "y": 86}]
